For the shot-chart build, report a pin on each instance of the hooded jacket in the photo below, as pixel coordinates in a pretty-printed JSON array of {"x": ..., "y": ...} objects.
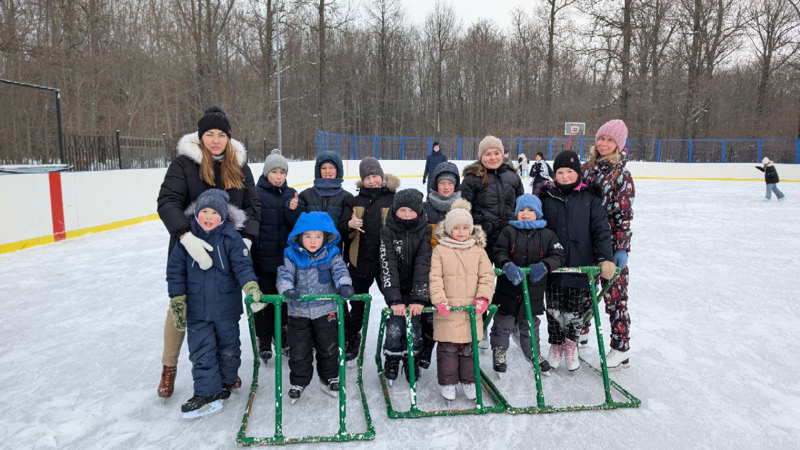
[
  {"x": 770, "y": 174},
  {"x": 274, "y": 227},
  {"x": 579, "y": 220},
  {"x": 432, "y": 162},
  {"x": 435, "y": 210},
  {"x": 362, "y": 250},
  {"x": 493, "y": 204},
  {"x": 618, "y": 191},
  {"x": 458, "y": 277},
  {"x": 215, "y": 293},
  {"x": 321, "y": 196},
  {"x": 182, "y": 185},
  {"x": 405, "y": 261},
  {"x": 322, "y": 272}
]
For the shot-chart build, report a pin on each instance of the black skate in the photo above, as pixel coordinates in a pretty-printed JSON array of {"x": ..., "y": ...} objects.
[
  {"x": 201, "y": 406},
  {"x": 295, "y": 392},
  {"x": 426, "y": 353},
  {"x": 331, "y": 387},
  {"x": 352, "y": 347},
  {"x": 416, "y": 369},
  {"x": 265, "y": 350},
  {"x": 391, "y": 366},
  {"x": 544, "y": 366},
  {"x": 499, "y": 360},
  {"x": 228, "y": 387}
]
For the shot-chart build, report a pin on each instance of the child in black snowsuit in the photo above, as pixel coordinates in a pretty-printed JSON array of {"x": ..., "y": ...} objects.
[
  {"x": 576, "y": 214},
  {"x": 525, "y": 242},
  {"x": 209, "y": 302},
  {"x": 405, "y": 263}
]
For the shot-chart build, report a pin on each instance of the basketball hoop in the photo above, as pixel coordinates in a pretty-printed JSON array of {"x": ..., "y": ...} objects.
[{"x": 573, "y": 129}]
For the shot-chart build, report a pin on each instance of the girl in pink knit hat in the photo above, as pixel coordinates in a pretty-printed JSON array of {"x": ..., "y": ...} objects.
[{"x": 606, "y": 168}]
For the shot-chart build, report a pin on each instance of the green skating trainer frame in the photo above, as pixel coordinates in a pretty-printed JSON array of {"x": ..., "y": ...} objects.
[
  {"x": 541, "y": 407},
  {"x": 480, "y": 379},
  {"x": 278, "y": 438}
]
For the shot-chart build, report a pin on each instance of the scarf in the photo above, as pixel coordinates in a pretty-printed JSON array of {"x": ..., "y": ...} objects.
[
  {"x": 442, "y": 203},
  {"x": 327, "y": 187},
  {"x": 528, "y": 224},
  {"x": 449, "y": 242}
]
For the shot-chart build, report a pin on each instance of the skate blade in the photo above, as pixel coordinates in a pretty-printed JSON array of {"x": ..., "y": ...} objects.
[
  {"x": 211, "y": 408},
  {"x": 389, "y": 382},
  {"x": 294, "y": 400},
  {"x": 334, "y": 394},
  {"x": 499, "y": 375},
  {"x": 352, "y": 363},
  {"x": 619, "y": 367}
]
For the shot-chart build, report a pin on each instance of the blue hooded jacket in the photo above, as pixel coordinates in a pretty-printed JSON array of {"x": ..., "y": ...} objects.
[
  {"x": 322, "y": 272},
  {"x": 215, "y": 293}
]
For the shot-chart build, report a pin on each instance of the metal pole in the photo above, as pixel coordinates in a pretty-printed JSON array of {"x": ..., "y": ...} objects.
[
  {"x": 278, "y": 67},
  {"x": 166, "y": 149},
  {"x": 60, "y": 127},
  {"x": 119, "y": 151}
]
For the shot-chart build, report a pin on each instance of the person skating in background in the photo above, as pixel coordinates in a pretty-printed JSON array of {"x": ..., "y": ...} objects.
[
  {"x": 274, "y": 193},
  {"x": 540, "y": 171},
  {"x": 405, "y": 254},
  {"x": 772, "y": 179},
  {"x": 523, "y": 165},
  {"x": 461, "y": 275},
  {"x": 575, "y": 213},
  {"x": 525, "y": 242},
  {"x": 206, "y": 159},
  {"x": 362, "y": 220},
  {"x": 326, "y": 194},
  {"x": 208, "y": 302},
  {"x": 606, "y": 169},
  {"x": 313, "y": 265},
  {"x": 435, "y": 158}
]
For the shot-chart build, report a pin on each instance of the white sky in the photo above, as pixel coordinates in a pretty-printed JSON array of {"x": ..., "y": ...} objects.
[{"x": 467, "y": 10}]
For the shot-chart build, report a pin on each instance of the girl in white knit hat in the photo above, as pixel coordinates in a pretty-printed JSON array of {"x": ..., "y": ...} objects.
[{"x": 772, "y": 179}]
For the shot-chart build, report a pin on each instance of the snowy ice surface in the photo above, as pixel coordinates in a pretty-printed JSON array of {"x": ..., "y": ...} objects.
[{"x": 713, "y": 290}]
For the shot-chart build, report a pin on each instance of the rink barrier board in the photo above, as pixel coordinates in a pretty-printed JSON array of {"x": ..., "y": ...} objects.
[{"x": 278, "y": 438}]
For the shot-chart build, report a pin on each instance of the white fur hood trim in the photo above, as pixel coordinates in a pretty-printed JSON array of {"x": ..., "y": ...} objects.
[
  {"x": 189, "y": 146},
  {"x": 235, "y": 215}
]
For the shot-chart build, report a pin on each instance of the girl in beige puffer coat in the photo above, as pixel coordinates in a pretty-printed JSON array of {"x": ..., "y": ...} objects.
[{"x": 461, "y": 274}]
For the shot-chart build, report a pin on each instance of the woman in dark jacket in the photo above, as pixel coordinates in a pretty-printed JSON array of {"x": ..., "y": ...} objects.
[
  {"x": 434, "y": 159},
  {"x": 492, "y": 187},
  {"x": 206, "y": 159},
  {"x": 327, "y": 194}
]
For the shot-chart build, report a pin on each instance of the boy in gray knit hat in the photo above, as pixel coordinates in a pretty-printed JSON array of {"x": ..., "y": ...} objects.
[
  {"x": 275, "y": 160},
  {"x": 371, "y": 172}
]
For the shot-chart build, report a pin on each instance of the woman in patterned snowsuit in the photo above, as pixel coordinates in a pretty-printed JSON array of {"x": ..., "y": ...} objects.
[{"x": 606, "y": 169}]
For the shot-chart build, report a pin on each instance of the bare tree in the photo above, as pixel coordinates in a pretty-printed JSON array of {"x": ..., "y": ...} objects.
[{"x": 441, "y": 38}]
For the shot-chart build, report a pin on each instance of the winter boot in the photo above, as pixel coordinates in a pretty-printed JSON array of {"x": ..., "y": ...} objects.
[
  {"x": 416, "y": 369},
  {"x": 265, "y": 349},
  {"x": 499, "y": 358},
  {"x": 167, "y": 384},
  {"x": 331, "y": 387},
  {"x": 571, "y": 355},
  {"x": 352, "y": 346},
  {"x": 295, "y": 392},
  {"x": 616, "y": 359},
  {"x": 555, "y": 355},
  {"x": 449, "y": 392},
  {"x": 391, "y": 366},
  {"x": 426, "y": 353},
  {"x": 469, "y": 390},
  {"x": 201, "y": 406}
]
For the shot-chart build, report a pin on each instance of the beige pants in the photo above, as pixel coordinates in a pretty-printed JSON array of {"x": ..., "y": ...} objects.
[{"x": 173, "y": 339}]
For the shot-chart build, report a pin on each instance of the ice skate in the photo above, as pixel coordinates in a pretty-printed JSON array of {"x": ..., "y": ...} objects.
[
  {"x": 616, "y": 360},
  {"x": 571, "y": 355},
  {"x": 449, "y": 393},
  {"x": 331, "y": 387},
  {"x": 555, "y": 355},
  {"x": 352, "y": 347},
  {"x": 426, "y": 354},
  {"x": 544, "y": 366},
  {"x": 265, "y": 350},
  {"x": 416, "y": 369},
  {"x": 483, "y": 344},
  {"x": 391, "y": 366},
  {"x": 469, "y": 390},
  {"x": 201, "y": 406},
  {"x": 167, "y": 384},
  {"x": 583, "y": 339},
  {"x": 295, "y": 392},
  {"x": 228, "y": 387},
  {"x": 499, "y": 361}
]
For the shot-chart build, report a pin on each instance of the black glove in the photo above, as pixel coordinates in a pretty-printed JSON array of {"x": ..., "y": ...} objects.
[
  {"x": 347, "y": 291},
  {"x": 291, "y": 294}
]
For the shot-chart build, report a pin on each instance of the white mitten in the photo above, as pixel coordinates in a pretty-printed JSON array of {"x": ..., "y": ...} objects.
[
  {"x": 257, "y": 306},
  {"x": 248, "y": 243},
  {"x": 198, "y": 249}
]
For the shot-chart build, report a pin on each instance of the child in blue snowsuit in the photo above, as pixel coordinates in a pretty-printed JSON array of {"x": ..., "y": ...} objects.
[
  {"x": 208, "y": 303},
  {"x": 313, "y": 265}
]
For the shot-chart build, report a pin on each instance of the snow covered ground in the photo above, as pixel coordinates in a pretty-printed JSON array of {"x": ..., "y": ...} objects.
[{"x": 713, "y": 291}]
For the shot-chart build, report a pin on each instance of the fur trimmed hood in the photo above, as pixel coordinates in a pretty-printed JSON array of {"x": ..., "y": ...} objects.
[
  {"x": 189, "y": 146},
  {"x": 477, "y": 233},
  {"x": 236, "y": 216},
  {"x": 391, "y": 182},
  {"x": 477, "y": 169}
]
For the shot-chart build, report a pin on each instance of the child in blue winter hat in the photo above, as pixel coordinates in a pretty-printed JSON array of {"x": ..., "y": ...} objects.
[
  {"x": 525, "y": 242},
  {"x": 208, "y": 303},
  {"x": 313, "y": 265}
]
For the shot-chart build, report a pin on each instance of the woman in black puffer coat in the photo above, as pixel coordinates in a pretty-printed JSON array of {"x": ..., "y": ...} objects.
[
  {"x": 492, "y": 187},
  {"x": 206, "y": 159}
]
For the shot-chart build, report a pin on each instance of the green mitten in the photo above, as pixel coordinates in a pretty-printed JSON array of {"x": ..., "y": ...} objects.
[
  {"x": 251, "y": 288},
  {"x": 178, "y": 306}
]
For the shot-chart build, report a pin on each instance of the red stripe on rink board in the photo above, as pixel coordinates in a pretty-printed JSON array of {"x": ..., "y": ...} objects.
[{"x": 57, "y": 207}]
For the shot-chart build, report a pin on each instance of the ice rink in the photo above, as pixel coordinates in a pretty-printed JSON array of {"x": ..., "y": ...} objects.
[{"x": 713, "y": 302}]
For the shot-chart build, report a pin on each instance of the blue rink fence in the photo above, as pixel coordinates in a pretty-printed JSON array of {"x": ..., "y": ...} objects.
[{"x": 783, "y": 151}]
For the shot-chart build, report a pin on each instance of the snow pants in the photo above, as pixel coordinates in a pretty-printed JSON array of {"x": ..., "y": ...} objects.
[
  {"x": 265, "y": 319},
  {"x": 454, "y": 363},
  {"x": 616, "y": 301},
  {"x": 504, "y": 325},
  {"x": 355, "y": 310},
  {"x": 565, "y": 307},
  {"x": 307, "y": 335},
  {"x": 215, "y": 352},
  {"x": 395, "y": 343}
]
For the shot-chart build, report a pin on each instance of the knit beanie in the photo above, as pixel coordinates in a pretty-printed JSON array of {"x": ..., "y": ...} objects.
[
  {"x": 275, "y": 160},
  {"x": 531, "y": 202},
  {"x": 447, "y": 176},
  {"x": 215, "y": 199},
  {"x": 568, "y": 158},
  {"x": 765, "y": 162},
  {"x": 617, "y": 130},
  {"x": 459, "y": 214},
  {"x": 369, "y": 166},
  {"x": 214, "y": 118},
  {"x": 487, "y": 143},
  {"x": 408, "y": 198}
]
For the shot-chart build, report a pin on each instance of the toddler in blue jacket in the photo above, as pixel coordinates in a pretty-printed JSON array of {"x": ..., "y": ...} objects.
[
  {"x": 313, "y": 265},
  {"x": 208, "y": 303}
]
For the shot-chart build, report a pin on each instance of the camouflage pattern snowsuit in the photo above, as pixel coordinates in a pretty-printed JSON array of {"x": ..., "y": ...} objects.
[{"x": 618, "y": 192}]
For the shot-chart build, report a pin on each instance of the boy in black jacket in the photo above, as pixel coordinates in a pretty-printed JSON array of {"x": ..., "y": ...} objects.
[
  {"x": 405, "y": 264},
  {"x": 576, "y": 214},
  {"x": 525, "y": 242}
]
